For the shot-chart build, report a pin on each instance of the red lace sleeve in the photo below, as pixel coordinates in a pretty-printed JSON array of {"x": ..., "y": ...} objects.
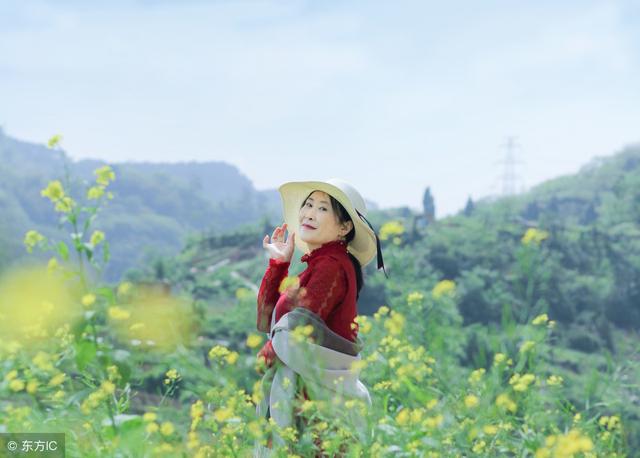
[
  {"x": 268, "y": 293},
  {"x": 325, "y": 289}
]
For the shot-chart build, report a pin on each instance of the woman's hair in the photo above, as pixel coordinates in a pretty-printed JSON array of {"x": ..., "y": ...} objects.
[{"x": 343, "y": 217}]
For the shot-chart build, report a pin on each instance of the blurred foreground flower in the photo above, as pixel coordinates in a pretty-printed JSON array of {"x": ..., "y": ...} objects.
[
  {"x": 34, "y": 302},
  {"x": 153, "y": 319}
]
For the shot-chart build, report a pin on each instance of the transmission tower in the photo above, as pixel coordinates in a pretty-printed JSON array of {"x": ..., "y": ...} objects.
[{"x": 510, "y": 179}]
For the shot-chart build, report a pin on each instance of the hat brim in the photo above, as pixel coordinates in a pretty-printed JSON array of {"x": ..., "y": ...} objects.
[{"x": 293, "y": 194}]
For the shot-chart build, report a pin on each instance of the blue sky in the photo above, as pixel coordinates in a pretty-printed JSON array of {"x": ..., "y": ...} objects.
[{"x": 392, "y": 96}]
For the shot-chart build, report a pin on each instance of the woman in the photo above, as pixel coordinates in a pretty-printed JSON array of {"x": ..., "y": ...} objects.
[{"x": 326, "y": 220}]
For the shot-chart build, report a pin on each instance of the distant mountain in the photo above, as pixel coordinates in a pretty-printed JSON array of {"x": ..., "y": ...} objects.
[{"x": 157, "y": 205}]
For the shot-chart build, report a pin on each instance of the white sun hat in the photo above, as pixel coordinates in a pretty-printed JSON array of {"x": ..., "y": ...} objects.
[{"x": 364, "y": 246}]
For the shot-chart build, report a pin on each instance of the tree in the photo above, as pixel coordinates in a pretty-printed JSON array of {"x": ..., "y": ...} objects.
[
  {"x": 429, "y": 206},
  {"x": 470, "y": 207}
]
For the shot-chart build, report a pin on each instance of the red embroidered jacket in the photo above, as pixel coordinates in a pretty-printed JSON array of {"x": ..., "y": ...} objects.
[{"x": 327, "y": 287}]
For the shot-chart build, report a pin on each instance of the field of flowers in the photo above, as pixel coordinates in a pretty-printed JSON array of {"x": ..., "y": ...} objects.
[{"x": 124, "y": 370}]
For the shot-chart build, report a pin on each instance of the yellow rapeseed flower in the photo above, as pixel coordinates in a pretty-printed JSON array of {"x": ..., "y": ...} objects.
[
  {"x": 534, "y": 236},
  {"x": 358, "y": 365},
  {"x": 395, "y": 323},
  {"x": 52, "y": 264},
  {"x": 171, "y": 376},
  {"x": 65, "y": 204},
  {"x": 403, "y": 417},
  {"x": 104, "y": 175},
  {"x": 478, "y": 447},
  {"x": 218, "y": 351},
  {"x": 167, "y": 429},
  {"x": 112, "y": 372},
  {"x": 289, "y": 282},
  {"x": 54, "y": 191},
  {"x": 16, "y": 385},
  {"x": 96, "y": 238},
  {"x": 118, "y": 313},
  {"x": 108, "y": 387},
  {"x": 443, "y": 288},
  {"x": 12, "y": 374},
  {"x": 54, "y": 141},
  {"x": 253, "y": 340},
  {"x": 149, "y": 417},
  {"x": 42, "y": 361},
  {"x": 381, "y": 386},
  {"x": 540, "y": 319},
  {"x": 152, "y": 428},
  {"x": 57, "y": 379},
  {"x": 364, "y": 325},
  {"x": 433, "y": 422},
  {"x": 391, "y": 229},
  {"x": 565, "y": 445},
  {"x": 415, "y": 298},
  {"x": 554, "y": 380},
  {"x": 193, "y": 441},
  {"x": 476, "y": 375},
  {"x": 31, "y": 239},
  {"x": 609, "y": 422},
  {"x": 197, "y": 413},
  {"x": 382, "y": 311},
  {"x": 490, "y": 429},
  {"x": 300, "y": 333},
  {"x": 124, "y": 288},
  {"x": 521, "y": 382},
  {"x": 223, "y": 414},
  {"x": 88, "y": 300},
  {"x": 416, "y": 416},
  {"x": 471, "y": 401},
  {"x": 526, "y": 346},
  {"x": 95, "y": 192},
  {"x": 232, "y": 357},
  {"x": 504, "y": 401},
  {"x": 32, "y": 386},
  {"x": 499, "y": 358}
]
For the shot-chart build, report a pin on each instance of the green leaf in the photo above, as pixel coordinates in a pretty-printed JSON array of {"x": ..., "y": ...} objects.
[
  {"x": 124, "y": 370},
  {"x": 88, "y": 248},
  {"x": 107, "y": 293},
  {"x": 88, "y": 222},
  {"x": 63, "y": 250},
  {"x": 85, "y": 353}
]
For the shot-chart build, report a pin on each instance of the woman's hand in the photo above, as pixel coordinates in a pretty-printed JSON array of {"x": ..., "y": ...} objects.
[
  {"x": 266, "y": 357},
  {"x": 278, "y": 248}
]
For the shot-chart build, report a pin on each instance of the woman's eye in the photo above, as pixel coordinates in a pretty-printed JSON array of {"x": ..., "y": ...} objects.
[{"x": 323, "y": 208}]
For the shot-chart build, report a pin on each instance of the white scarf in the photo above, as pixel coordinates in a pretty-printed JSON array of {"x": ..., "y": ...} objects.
[{"x": 326, "y": 370}]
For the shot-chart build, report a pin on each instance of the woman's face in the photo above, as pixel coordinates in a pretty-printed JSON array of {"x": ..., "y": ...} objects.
[{"x": 318, "y": 223}]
